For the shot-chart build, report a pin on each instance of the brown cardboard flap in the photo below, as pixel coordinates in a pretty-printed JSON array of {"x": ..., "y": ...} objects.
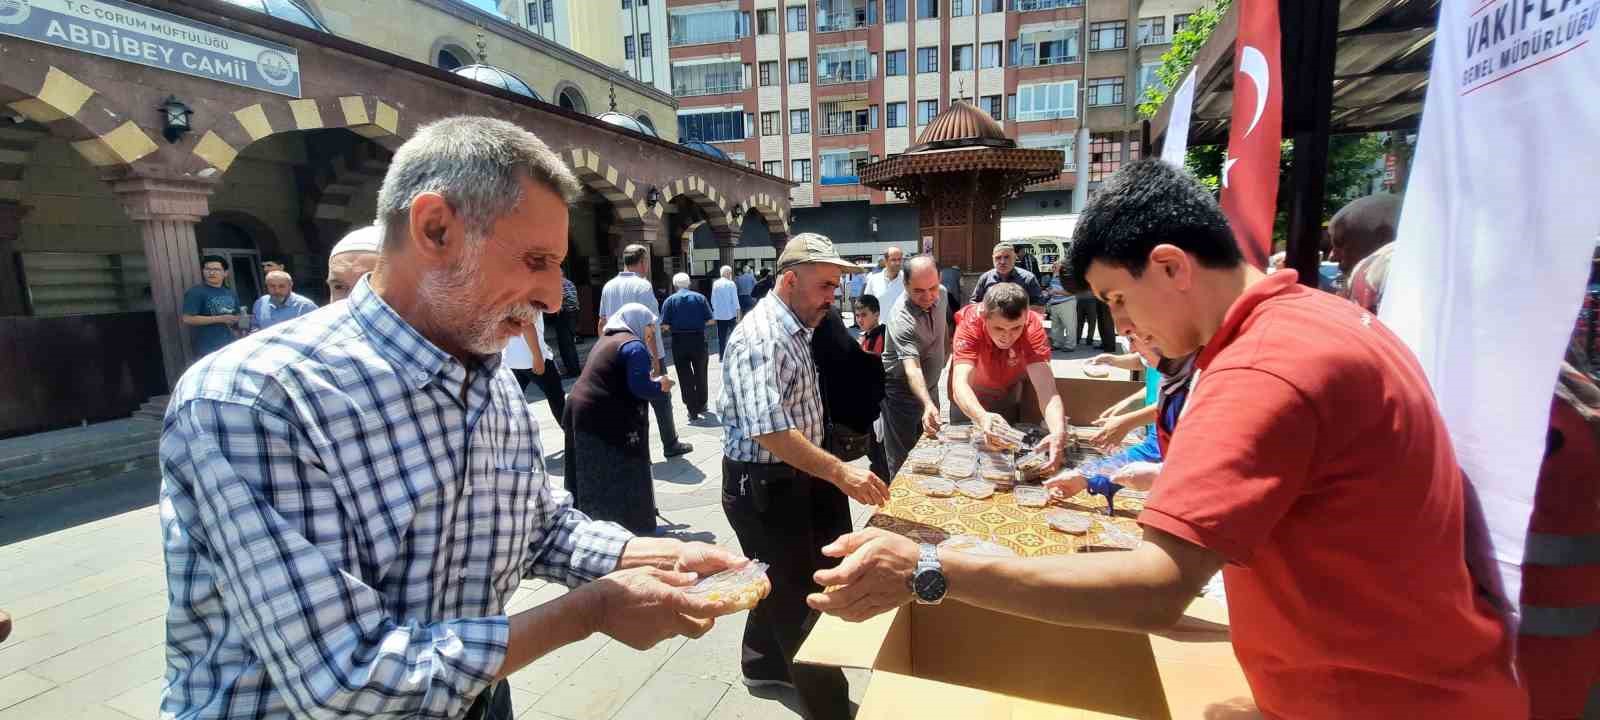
[
  {"x": 894, "y": 696},
  {"x": 840, "y": 643}
]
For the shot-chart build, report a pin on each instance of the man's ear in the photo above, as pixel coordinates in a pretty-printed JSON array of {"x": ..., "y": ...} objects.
[
  {"x": 431, "y": 218},
  {"x": 1174, "y": 263}
]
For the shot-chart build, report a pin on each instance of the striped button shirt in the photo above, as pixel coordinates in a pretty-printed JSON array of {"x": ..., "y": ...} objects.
[
  {"x": 346, "y": 510},
  {"x": 769, "y": 382}
]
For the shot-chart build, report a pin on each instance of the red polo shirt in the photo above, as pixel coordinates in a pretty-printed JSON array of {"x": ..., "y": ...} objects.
[
  {"x": 994, "y": 370},
  {"x": 1311, "y": 456}
]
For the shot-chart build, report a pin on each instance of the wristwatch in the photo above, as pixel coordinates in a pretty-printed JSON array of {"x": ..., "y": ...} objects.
[{"x": 928, "y": 584}]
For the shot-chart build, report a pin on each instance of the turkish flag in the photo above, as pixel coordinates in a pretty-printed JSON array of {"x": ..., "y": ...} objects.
[{"x": 1255, "y": 131}]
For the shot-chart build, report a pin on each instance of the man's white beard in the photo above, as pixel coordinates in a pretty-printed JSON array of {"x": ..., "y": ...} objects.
[{"x": 476, "y": 329}]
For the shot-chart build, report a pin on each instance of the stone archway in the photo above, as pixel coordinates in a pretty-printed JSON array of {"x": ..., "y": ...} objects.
[
  {"x": 368, "y": 116},
  {"x": 705, "y": 196}
]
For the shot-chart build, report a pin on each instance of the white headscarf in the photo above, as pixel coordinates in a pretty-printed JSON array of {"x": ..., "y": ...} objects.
[{"x": 633, "y": 318}]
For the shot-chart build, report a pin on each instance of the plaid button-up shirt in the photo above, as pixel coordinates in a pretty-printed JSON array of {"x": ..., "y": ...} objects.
[
  {"x": 769, "y": 382},
  {"x": 346, "y": 510}
]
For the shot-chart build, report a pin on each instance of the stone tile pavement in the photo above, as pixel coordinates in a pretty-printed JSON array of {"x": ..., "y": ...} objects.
[{"x": 89, "y": 601}]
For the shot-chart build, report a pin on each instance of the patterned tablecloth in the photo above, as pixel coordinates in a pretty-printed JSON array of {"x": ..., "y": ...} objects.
[{"x": 998, "y": 518}]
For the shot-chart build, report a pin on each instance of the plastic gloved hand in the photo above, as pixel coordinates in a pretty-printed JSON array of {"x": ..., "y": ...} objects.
[{"x": 1137, "y": 475}]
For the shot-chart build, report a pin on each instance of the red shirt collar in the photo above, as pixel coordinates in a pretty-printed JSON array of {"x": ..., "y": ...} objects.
[{"x": 1275, "y": 284}]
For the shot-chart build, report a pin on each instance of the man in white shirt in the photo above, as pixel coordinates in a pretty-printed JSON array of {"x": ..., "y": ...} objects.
[
  {"x": 725, "y": 306},
  {"x": 887, "y": 284},
  {"x": 529, "y": 357},
  {"x": 633, "y": 285}
]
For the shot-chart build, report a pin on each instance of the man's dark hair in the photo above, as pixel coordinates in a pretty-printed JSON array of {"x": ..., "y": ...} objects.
[
  {"x": 1145, "y": 204},
  {"x": 216, "y": 259},
  {"x": 1009, "y": 299},
  {"x": 633, "y": 255},
  {"x": 869, "y": 302}
]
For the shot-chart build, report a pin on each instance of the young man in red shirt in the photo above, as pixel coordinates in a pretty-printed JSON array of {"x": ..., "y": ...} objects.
[
  {"x": 1311, "y": 465},
  {"x": 999, "y": 342}
]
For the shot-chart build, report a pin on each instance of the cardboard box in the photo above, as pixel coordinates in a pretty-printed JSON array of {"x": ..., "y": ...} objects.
[
  {"x": 1083, "y": 397},
  {"x": 957, "y": 661}
]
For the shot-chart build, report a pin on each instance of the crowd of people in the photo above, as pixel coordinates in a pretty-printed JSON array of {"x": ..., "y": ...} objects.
[{"x": 350, "y": 499}]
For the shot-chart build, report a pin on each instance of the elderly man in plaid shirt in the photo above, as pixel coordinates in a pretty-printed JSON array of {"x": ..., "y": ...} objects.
[{"x": 348, "y": 505}]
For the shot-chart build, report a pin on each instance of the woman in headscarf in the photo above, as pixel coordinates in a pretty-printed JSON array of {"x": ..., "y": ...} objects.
[{"x": 607, "y": 457}]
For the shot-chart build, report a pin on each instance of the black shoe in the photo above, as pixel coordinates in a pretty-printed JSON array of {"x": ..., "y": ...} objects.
[
  {"x": 681, "y": 448},
  {"x": 761, "y": 683}
]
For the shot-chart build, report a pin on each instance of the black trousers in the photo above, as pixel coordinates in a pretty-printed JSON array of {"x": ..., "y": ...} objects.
[
  {"x": 566, "y": 325},
  {"x": 689, "y": 356},
  {"x": 493, "y": 704},
  {"x": 1108, "y": 328},
  {"x": 784, "y": 518},
  {"x": 549, "y": 384},
  {"x": 724, "y": 334},
  {"x": 1088, "y": 315}
]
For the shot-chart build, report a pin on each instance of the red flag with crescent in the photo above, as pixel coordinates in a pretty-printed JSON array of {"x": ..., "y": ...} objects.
[{"x": 1255, "y": 132}]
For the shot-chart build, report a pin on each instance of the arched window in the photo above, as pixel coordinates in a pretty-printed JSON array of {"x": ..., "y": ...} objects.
[
  {"x": 573, "y": 100},
  {"x": 645, "y": 121},
  {"x": 452, "y": 57}
]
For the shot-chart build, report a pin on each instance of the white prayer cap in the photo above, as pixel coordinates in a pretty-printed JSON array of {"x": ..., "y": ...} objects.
[{"x": 364, "y": 239}]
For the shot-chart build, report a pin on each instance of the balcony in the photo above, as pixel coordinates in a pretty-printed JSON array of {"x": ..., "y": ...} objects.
[
  {"x": 1026, "y": 5},
  {"x": 840, "y": 180},
  {"x": 849, "y": 19},
  {"x": 700, "y": 90},
  {"x": 844, "y": 75},
  {"x": 1050, "y": 60},
  {"x": 1153, "y": 39},
  {"x": 845, "y": 127}
]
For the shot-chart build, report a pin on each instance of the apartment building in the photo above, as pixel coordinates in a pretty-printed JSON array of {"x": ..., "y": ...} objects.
[
  {"x": 630, "y": 37},
  {"x": 811, "y": 90}
]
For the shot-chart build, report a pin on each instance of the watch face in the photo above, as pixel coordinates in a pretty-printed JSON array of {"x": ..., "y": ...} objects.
[{"x": 930, "y": 585}]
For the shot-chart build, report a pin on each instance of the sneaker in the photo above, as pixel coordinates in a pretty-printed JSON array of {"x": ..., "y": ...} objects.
[
  {"x": 681, "y": 448},
  {"x": 758, "y": 683}
]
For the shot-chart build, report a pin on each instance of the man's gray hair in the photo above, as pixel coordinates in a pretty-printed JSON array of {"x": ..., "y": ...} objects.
[
  {"x": 681, "y": 280},
  {"x": 279, "y": 275},
  {"x": 1002, "y": 246},
  {"x": 477, "y": 164},
  {"x": 725, "y": 271}
]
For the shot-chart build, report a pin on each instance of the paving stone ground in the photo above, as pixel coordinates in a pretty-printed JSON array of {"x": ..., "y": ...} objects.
[{"x": 89, "y": 601}]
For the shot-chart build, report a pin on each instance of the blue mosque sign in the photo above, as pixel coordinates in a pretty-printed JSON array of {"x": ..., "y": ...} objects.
[{"x": 136, "y": 34}]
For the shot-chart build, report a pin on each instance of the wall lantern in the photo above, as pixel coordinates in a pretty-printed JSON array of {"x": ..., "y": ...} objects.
[
  {"x": 175, "y": 116},
  {"x": 873, "y": 224},
  {"x": 652, "y": 198},
  {"x": 738, "y": 212}
]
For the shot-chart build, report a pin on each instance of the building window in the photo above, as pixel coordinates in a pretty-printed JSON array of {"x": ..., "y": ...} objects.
[
  {"x": 644, "y": 42},
  {"x": 844, "y": 15},
  {"x": 766, "y": 71},
  {"x": 961, "y": 57},
  {"x": 990, "y": 104},
  {"x": 627, "y": 4},
  {"x": 959, "y": 8},
  {"x": 549, "y": 10},
  {"x": 991, "y": 6},
  {"x": 449, "y": 59},
  {"x": 573, "y": 100},
  {"x": 1108, "y": 35},
  {"x": 1026, "y": 5},
  {"x": 842, "y": 65},
  {"x": 794, "y": 18},
  {"x": 713, "y": 78},
  {"x": 772, "y": 167},
  {"x": 1152, "y": 30},
  {"x": 1179, "y": 21},
  {"x": 896, "y": 114},
  {"x": 692, "y": 28},
  {"x": 769, "y": 123},
  {"x": 801, "y": 171},
  {"x": 717, "y": 126},
  {"x": 799, "y": 71},
  {"x": 1065, "y": 143},
  {"x": 1104, "y": 91},
  {"x": 846, "y": 117},
  {"x": 1105, "y": 156},
  {"x": 894, "y": 11},
  {"x": 989, "y": 55},
  {"x": 1148, "y": 78},
  {"x": 799, "y": 122},
  {"x": 1047, "y": 47},
  {"x": 1047, "y": 101},
  {"x": 627, "y": 47},
  {"x": 533, "y": 13},
  {"x": 894, "y": 63},
  {"x": 927, "y": 59},
  {"x": 927, "y": 9},
  {"x": 842, "y": 167},
  {"x": 767, "y": 21},
  {"x": 926, "y": 111}
]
